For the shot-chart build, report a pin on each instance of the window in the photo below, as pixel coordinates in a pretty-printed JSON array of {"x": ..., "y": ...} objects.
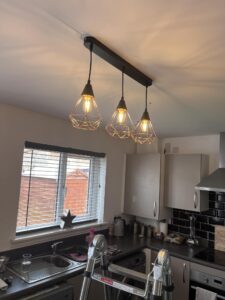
[{"x": 54, "y": 179}]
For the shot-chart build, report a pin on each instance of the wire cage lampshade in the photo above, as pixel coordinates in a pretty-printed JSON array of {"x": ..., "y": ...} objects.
[
  {"x": 121, "y": 124},
  {"x": 143, "y": 132},
  {"x": 86, "y": 114}
]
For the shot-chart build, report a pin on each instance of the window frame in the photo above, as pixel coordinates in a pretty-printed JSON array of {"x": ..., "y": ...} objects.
[{"x": 61, "y": 189}]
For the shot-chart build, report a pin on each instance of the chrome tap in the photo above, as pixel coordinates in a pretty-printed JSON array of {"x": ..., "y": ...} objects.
[
  {"x": 54, "y": 247},
  {"x": 192, "y": 240}
]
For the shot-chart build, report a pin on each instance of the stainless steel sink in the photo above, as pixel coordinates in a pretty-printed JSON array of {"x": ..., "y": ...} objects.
[{"x": 43, "y": 267}]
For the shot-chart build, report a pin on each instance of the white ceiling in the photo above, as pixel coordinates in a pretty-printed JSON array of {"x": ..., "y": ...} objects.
[{"x": 179, "y": 43}]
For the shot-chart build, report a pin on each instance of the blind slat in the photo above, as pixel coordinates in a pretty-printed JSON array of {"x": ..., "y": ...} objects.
[{"x": 54, "y": 181}]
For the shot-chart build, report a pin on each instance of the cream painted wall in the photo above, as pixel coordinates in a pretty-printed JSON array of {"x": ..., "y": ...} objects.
[
  {"x": 206, "y": 144},
  {"x": 18, "y": 125}
]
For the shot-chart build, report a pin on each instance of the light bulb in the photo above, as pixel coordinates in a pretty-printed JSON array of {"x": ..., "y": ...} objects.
[
  {"x": 144, "y": 125},
  {"x": 121, "y": 116},
  {"x": 87, "y": 101}
]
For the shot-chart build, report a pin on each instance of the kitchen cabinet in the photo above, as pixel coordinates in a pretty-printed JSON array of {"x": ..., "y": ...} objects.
[
  {"x": 57, "y": 292},
  {"x": 180, "y": 275},
  {"x": 144, "y": 183},
  {"x": 96, "y": 288},
  {"x": 182, "y": 173}
]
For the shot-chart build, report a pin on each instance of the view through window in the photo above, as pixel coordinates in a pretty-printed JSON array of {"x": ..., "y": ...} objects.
[{"x": 53, "y": 181}]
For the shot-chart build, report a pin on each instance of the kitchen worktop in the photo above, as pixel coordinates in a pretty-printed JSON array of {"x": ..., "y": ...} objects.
[{"x": 128, "y": 245}]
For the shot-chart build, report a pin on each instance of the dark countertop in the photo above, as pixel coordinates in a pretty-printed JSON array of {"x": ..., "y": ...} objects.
[
  {"x": 128, "y": 245},
  {"x": 132, "y": 244}
]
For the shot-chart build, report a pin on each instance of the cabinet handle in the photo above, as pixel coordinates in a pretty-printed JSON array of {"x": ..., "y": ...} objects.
[
  {"x": 154, "y": 210},
  {"x": 195, "y": 200},
  {"x": 184, "y": 271}
]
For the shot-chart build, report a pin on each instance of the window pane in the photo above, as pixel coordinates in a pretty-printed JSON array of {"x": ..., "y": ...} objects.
[
  {"x": 38, "y": 192},
  {"x": 77, "y": 182},
  {"x": 52, "y": 182}
]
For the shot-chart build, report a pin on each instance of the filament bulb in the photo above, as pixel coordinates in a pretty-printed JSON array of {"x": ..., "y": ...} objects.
[
  {"x": 87, "y": 103},
  {"x": 144, "y": 125},
  {"x": 121, "y": 115}
]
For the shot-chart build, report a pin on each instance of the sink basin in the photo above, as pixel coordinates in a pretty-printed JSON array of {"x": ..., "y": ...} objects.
[
  {"x": 43, "y": 267},
  {"x": 57, "y": 261}
]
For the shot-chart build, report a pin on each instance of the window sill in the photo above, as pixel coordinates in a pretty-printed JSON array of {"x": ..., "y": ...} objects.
[{"x": 35, "y": 238}]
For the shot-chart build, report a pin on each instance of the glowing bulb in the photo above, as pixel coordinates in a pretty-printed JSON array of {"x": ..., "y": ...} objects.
[
  {"x": 87, "y": 103},
  {"x": 144, "y": 125},
  {"x": 121, "y": 115}
]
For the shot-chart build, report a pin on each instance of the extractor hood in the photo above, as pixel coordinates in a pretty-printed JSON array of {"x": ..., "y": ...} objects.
[{"x": 216, "y": 181}]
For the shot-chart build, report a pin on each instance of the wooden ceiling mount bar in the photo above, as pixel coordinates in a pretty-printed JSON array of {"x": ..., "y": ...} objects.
[{"x": 115, "y": 60}]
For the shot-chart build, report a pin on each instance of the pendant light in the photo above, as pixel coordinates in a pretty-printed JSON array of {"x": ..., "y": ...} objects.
[
  {"x": 121, "y": 124},
  {"x": 86, "y": 114},
  {"x": 143, "y": 132}
]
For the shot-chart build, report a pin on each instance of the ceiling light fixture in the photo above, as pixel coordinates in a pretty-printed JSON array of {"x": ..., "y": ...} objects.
[
  {"x": 86, "y": 114},
  {"x": 143, "y": 132},
  {"x": 121, "y": 124}
]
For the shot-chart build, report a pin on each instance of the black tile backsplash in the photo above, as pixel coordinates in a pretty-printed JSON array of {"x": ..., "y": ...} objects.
[
  {"x": 205, "y": 221},
  {"x": 221, "y": 213}
]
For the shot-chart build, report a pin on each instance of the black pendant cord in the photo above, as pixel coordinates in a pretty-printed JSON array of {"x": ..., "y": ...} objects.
[
  {"x": 90, "y": 66},
  {"x": 123, "y": 84},
  {"x": 122, "y": 104},
  {"x": 146, "y": 98},
  {"x": 145, "y": 115}
]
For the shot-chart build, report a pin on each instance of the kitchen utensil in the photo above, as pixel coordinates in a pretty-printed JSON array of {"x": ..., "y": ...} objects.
[
  {"x": 26, "y": 262},
  {"x": 142, "y": 234},
  {"x": 3, "y": 262},
  {"x": 119, "y": 225},
  {"x": 135, "y": 228},
  {"x": 149, "y": 231},
  {"x": 163, "y": 227}
]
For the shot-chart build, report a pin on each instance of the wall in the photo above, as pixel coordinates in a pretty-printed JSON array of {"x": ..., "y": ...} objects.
[
  {"x": 18, "y": 125},
  {"x": 206, "y": 144}
]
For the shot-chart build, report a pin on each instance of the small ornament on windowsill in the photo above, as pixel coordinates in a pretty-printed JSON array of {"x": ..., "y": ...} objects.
[{"x": 67, "y": 219}]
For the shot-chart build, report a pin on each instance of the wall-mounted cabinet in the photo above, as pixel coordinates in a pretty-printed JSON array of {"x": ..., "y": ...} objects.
[
  {"x": 144, "y": 186},
  {"x": 182, "y": 173}
]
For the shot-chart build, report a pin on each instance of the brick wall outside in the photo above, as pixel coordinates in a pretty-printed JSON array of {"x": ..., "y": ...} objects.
[
  {"x": 77, "y": 192},
  {"x": 42, "y": 200}
]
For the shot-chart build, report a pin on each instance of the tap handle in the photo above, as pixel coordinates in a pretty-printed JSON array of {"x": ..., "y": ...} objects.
[{"x": 55, "y": 245}]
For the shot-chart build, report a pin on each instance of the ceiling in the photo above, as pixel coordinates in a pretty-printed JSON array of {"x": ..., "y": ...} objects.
[{"x": 178, "y": 43}]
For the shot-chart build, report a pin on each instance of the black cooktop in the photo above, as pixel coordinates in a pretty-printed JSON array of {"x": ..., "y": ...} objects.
[{"x": 212, "y": 256}]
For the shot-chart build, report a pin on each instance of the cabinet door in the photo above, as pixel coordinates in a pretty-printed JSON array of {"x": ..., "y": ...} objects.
[
  {"x": 182, "y": 173},
  {"x": 180, "y": 273},
  {"x": 96, "y": 288},
  {"x": 142, "y": 187},
  {"x": 154, "y": 255}
]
